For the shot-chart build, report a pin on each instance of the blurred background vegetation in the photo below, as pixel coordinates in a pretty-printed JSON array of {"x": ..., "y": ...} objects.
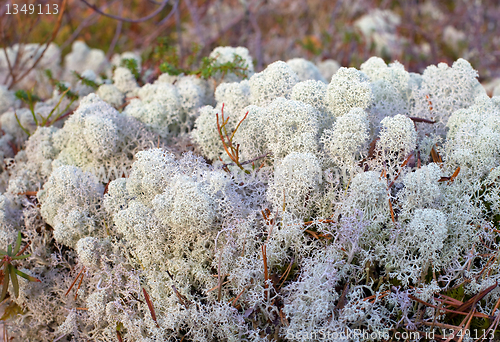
[{"x": 416, "y": 33}]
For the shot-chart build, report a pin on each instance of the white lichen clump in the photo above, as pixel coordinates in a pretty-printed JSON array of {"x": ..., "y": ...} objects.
[
  {"x": 69, "y": 198},
  {"x": 398, "y": 139},
  {"x": 329, "y": 199},
  {"x": 305, "y": 70},
  {"x": 349, "y": 88},
  {"x": 225, "y": 54},
  {"x": 277, "y": 80},
  {"x": 347, "y": 139},
  {"x": 83, "y": 58}
]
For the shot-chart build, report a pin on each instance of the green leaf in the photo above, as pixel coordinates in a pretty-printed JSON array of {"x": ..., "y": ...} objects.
[
  {"x": 13, "y": 277},
  {"x": 61, "y": 87},
  {"x": 9, "y": 250},
  {"x": 11, "y": 311},
  {"x": 5, "y": 283},
  {"x": 27, "y": 277},
  {"x": 18, "y": 243},
  {"x": 19, "y": 257},
  {"x": 170, "y": 69},
  {"x": 2, "y": 252},
  {"x": 27, "y": 97},
  {"x": 86, "y": 81},
  {"x": 20, "y": 125},
  {"x": 49, "y": 75},
  {"x": 131, "y": 64},
  {"x": 21, "y": 95},
  {"x": 119, "y": 326}
]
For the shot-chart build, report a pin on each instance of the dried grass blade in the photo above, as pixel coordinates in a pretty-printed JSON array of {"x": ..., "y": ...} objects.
[
  {"x": 449, "y": 300},
  {"x": 436, "y": 158},
  {"x": 477, "y": 314},
  {"x": 238, "y": 296},
  {"x": 150, "y": 306},
  {"x": 264, "y": 258},
  {"x": 454, "y": 175},
  {"x": 476, "y": 298},
  {"x": 392, "y": 212},
  {"x": 415, "y": 119},
  {"x": 285, "y": 275},
  {"x": 74, "y": 281},
  {"x": 78, "y": 288}
]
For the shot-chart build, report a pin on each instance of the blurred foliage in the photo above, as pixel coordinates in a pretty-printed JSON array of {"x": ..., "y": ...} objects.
[
  {"x": 88, "y": 82},
  {"x": 131, "y": 64},
  {"x": 209, "y": 66},
  {"x": 272, "y": 30}
]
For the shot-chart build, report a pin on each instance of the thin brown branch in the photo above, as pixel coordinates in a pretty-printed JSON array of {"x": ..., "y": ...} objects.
[
  {"x": 285, "y": 275},
  {"x": 319, "y": 221},
  {"x": 493, "y": 327},
  {"x": 181, "y": 298},
  {"x": 402, "y": 165},
  {"x": 248, "y": 161},
  {"x": 452, "y": 178},
  {"x": 24, "y": 249},
  {"x": 476, "y": 314},
  {"x": 392, "y": 211},
  {"x": 467, "y": 324},
  {"x": 233, "y": 304},
  {"x": 49, "y": 41},
  {"x": 234, "y": 154},
  {"x": 9, "y": 65},
  {"x": 436, "y": 158},
  {"x": 318, "y": 236},
  {"x": 160, "y": 27},
  {"x": 140, "y": 20},
  {"x": 150, "y": 306},
  {"x": 476, "y": 298},
  {"x": 266, "y": 274},
  {"x": 195, "y": 18},
  {"x": 415, "y": 119},
  {"x": 449, "y": 300},
  {"x": 28, "y": 193},
  {"x": 238, "y": 126},
  {"x": 74, "y": 281},
  {"x": 118, "y": 31},
  {"x": 217, "y": 287},
  {"x": 454, "y": 175},
  {"x": 78, "y": 288},
  {"x": 85, "y": 23}
]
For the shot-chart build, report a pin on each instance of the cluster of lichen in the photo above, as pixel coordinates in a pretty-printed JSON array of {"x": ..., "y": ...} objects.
[{"x": 352, "y": 203}]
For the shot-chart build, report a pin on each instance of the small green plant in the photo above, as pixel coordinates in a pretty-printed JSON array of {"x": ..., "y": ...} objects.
[
  {"x": 10, "y": 271},
  {"x": 27, "y": 97},
  {"x": 131, "y": 64},
  {"x": 165, "y": 51},
  {"x": 88, "y": 82},
  {"x": 234, "y": 154},
  {"x": 209, "y": 67},
  {"x": 61, "y": 87},
  {"x": 30, "y": 98}
]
